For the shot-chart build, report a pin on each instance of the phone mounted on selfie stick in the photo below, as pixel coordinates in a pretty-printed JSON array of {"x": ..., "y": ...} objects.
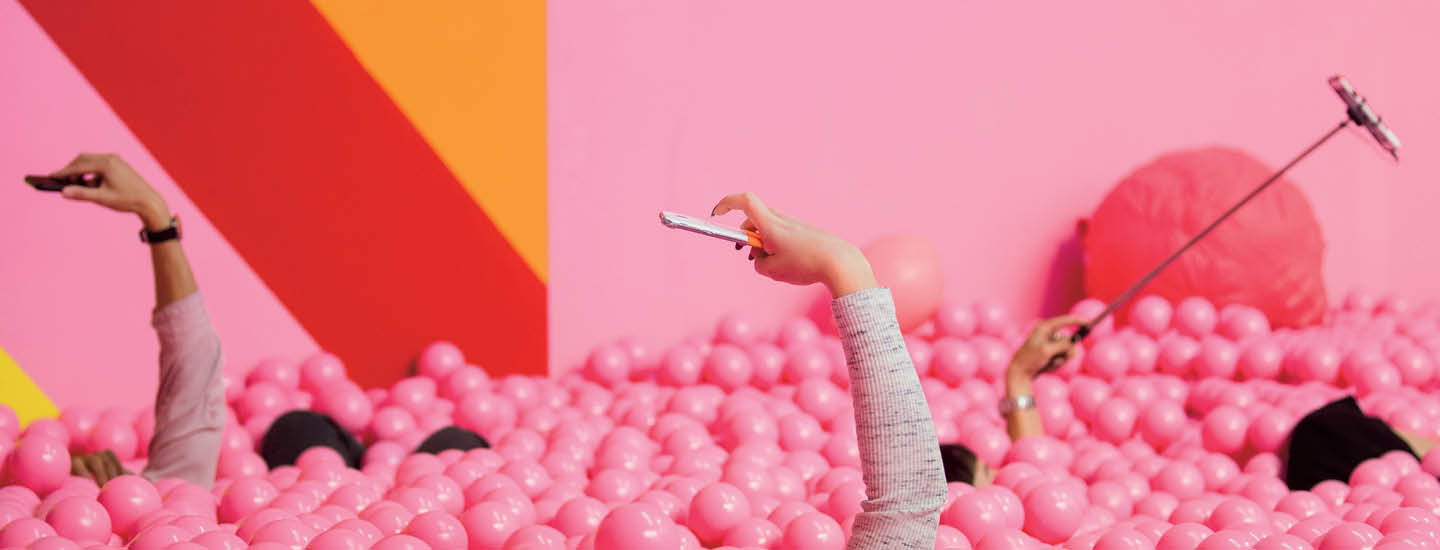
[{"x": 1357, "y": 112}]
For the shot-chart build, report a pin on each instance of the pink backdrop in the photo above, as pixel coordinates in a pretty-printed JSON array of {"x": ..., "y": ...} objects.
[
  {"x": 75, "y": 310},
  {"x": 988, "y": 126}
]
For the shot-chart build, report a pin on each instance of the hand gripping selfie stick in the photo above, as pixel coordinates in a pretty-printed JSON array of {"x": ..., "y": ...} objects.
[{"x": 1357, "y": 112}]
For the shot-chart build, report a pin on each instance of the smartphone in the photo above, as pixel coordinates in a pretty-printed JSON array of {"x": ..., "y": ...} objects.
[
  {"x": 1361, "y": 113},
  {"x": 706, "y": 227},
  {"x": 47, "y": 183}
]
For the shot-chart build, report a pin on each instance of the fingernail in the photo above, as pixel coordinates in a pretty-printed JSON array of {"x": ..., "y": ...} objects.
[{"x": 739, "y": 246}]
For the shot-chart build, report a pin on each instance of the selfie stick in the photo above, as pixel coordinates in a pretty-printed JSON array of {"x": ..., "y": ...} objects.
[{"x": 1357, "y": 112}]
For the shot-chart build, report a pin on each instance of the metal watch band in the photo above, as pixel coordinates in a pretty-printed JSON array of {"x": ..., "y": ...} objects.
[{"x": 1012, "y": 404}]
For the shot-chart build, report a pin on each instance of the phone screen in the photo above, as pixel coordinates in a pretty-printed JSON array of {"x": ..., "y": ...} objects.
[{"x": 705, "y": 227}]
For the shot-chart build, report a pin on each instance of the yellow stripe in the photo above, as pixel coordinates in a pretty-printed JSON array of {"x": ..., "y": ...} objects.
[
  {"x": 471, "y": 77},
  {"x": 20, "y": 393}
]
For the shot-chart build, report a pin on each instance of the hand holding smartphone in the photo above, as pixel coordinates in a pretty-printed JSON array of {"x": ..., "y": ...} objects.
[
  {"x": 708, "y": 228},
  {"x": 54, "y": 184}
]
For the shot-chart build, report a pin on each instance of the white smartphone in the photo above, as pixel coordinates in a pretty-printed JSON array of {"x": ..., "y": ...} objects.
[{"x": 706, "y": 227}]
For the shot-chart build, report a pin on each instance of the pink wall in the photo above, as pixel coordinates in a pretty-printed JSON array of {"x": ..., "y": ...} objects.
[
  {"x": 988, "y": 126},
  {"x": 74, "y": 313}
]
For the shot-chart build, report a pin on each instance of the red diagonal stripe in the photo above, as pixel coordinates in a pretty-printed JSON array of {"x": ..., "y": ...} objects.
[{"x": 274, "y": 129}]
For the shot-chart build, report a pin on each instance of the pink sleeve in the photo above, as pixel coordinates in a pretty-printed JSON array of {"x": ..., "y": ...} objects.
[{"x": 190, "y": 404}]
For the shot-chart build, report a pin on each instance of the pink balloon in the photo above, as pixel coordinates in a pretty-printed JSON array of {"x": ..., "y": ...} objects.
[
  {"x": 635, "y": 526},
  {"x": 910, "y": 267},
  {"x": 40, "y": 463}
]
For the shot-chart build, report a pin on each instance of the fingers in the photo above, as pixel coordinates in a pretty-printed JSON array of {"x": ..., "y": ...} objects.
[
  {"x": 78, "y": 468},
  {"x": 1055, "y": 323},
  {"x": 84, "y": 163},
  {"x": 82, "y": 193},
  {"x": 757, "y": 213}
]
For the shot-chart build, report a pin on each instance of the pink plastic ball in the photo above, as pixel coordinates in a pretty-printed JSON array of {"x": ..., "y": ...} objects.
[
  {"x": 1261, "y": 360},
  {"x": 715, "y": 509},
  {"x": 1123, "y": 539},
  {"x": 536, "y": 537},
  {"x": 1183, "y": 480},
  {"x": 439, "y": 359},
  {"x": 608, "y": 365},
  {"x": 1269, "y": 430},
  {"x": 39, "y": 463},
  {"x": 1112, "y": 496},
  {"x": 578, "y": 516},
  {"x": 955, "y": 320},
  {"x": 812, "y": 532},
  {"x": 1151, "y": 315},
  {"x": 1218, "y": 358},
  {"x": 1349, "y": 536},
  {"x": 1161, "y": 423},
  {"x": 1375, "y": 472},
  {"x": 1107, "y": 359},
  {"x": 1176, "y": 354},
  {"x": 727, "y": 367},
  {"x": 440, "y": 530},
  {"x": 1115, "y": 422},
  {"x": 1318, "y": 363},
  {"x": 22, "y": 532},
  {"x": 1415, "y": 366},
  {"x": 1225, "y": 429},
  {"x": 80, "y": 519},
  {"x": 127, "y": 499},
  {"x": 635, "y": 526},
  {"x": 1196, "y": 317},
  {"x": 753, "y": 532},
  {"x": 348, "y": 406},
  {"x": 954, "y": 361}
]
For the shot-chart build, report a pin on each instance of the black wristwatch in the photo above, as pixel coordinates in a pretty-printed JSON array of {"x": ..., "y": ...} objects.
[{"x": 156, "y": 237}]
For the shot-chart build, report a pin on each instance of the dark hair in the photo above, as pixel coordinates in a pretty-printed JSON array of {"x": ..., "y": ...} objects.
[{"x": 959, "y": 463}]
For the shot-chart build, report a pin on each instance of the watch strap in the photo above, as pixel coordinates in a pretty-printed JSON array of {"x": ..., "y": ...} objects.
[{"x": 167, "y": 234}]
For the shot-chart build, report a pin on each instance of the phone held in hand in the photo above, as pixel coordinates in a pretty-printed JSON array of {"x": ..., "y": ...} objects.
[
  {"x": 53, "y": 184},
  {"x": 706, "y": 227}
]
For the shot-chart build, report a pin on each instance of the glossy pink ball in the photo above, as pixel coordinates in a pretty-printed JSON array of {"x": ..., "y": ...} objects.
[
  {"x": 635, "y": 526},
  {"x": 536, "y": 537},
  {"x": 348, "y": 406},
  {"x": 1261, "y": 360},
  {"x": 1218, "y": 358},
  {"x": 715, "y": 509},
  {"x": 1151, "y": 315},
  {"x": 727, "y": 367},
  {"x": 1349, "y": 536},
  {"x": 1161, "y": 422},
  {"x": 1224, "y": 429},
  {"x": 1053, "y": 511},
  {"x": 39, "y": 463},
  {"x": 1115, "y": 422},
  {"x": 439, "y": 359},
  {"x": 21, "y": 532},
  {"x": 812, "y": 532},
  {"x": 1196, "y": 317},
  {"x": 127, "y": 499},
  {"x": 440, "y": 530},
  {"x": 1123, "y": 539},
  {"x": 1108, "y": 359},
  {"x": 80, "y": 519}
]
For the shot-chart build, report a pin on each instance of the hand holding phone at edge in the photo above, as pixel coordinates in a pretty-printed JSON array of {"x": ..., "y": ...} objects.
[
  {"x": 796, "y": 253},
  {"x": 120, "y": 189}
]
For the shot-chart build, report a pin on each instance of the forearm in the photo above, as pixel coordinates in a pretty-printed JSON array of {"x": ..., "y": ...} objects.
[
  {"x": 1022, "y": 423},
  {"x": 899, "y": 451},
  {"x": 173, "y": 278}
]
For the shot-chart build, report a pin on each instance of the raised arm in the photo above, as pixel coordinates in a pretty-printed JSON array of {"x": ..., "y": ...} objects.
[
  {"x": 899, "y": 451},
  {"x": 190, "y": 403},
  {"x": 1045, "y": 343}
]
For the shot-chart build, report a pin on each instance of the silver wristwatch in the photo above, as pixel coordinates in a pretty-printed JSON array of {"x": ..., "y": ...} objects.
[{"x": 1012, "y": 404}]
